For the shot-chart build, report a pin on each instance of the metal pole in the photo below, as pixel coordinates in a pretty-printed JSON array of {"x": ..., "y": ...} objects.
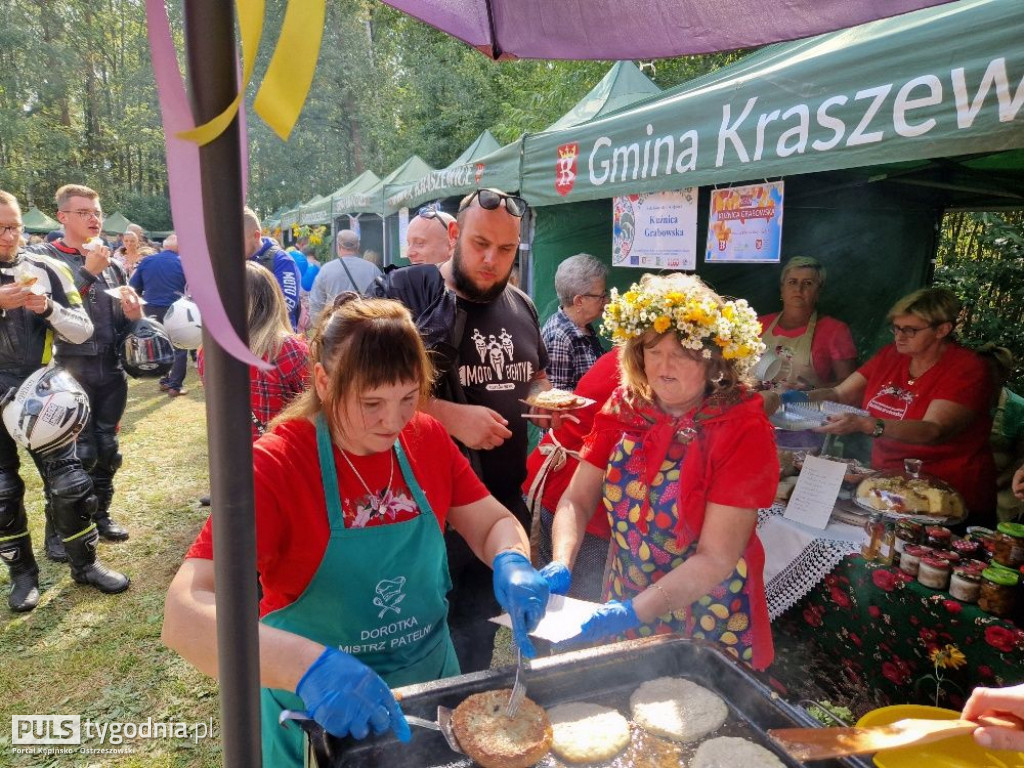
[{"x": 211, "y": 58}]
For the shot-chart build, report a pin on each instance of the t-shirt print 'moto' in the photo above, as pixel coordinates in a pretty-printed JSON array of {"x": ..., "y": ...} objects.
[{"x": 498, "y": 369}]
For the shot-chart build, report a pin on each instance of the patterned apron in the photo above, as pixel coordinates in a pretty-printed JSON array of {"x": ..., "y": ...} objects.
[
  {"x": 379, "y": 594},
  {"x": 637, "y": 560}
]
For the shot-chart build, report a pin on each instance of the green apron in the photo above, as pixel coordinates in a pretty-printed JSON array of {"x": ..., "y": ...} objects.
[{"x": 378, "y": 594}]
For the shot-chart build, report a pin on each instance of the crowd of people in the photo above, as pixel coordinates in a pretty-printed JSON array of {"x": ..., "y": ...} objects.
[{"x": 409, "y": 397}]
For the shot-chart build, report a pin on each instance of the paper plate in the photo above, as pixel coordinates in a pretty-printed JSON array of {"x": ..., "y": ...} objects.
[{"x": 957, "y": 752}]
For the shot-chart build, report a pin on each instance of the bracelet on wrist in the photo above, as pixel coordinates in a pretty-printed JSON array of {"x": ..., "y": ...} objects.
[{"x": 664, "y": 596}]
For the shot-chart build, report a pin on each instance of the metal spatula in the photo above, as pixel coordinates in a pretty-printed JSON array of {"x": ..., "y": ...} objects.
[
  {"x": 443, "y": 724},
  {"x": 823, "y": 743}
]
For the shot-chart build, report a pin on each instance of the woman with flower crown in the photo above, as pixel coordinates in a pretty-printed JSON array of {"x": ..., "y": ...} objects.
[{"x": 682, "y": 456}]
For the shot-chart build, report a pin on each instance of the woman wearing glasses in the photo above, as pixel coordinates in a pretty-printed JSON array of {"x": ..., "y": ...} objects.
[
  {"x": 571, "y": 341},
  {"x": 928, "y": 398}
]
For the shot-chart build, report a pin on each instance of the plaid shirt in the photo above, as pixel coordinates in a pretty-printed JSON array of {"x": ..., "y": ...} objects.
[
  {"x": 571, "y": 352},
  {"x": 270, "y": 391}
]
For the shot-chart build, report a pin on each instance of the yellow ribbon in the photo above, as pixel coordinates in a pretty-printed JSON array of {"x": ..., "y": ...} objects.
[{"x": 289, "y": 75}]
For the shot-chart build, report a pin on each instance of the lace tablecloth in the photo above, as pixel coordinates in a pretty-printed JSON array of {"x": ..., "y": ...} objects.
[{"x": 798, "y": 557}]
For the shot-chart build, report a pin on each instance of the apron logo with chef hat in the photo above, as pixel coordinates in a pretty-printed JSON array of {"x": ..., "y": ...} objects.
[{"x": 389, "y": 595}]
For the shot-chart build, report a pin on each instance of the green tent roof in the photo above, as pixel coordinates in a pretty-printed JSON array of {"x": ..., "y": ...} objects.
[
  {"x": 116, "y": 223},
  {"x": 373, "y": 199},
  {"x": 353, "y": 194},
  {"x": 362, "y": 182},
  {"x": 935, "y": 83},
  {"x": 623, "y": 85},
  {"x": 37, "y": 222},
  {"x": 460, "y": 177}
]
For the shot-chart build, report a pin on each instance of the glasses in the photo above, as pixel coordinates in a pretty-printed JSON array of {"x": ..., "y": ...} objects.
[
  {"x": 491, "y": 199},
  {"x": 433, "y": 213},
  {"x": 908, "y": 330},
  {"x": 601, "y": 296},
  {"x": 85, "y": 213},
  {"x": 12, "y": 229}
]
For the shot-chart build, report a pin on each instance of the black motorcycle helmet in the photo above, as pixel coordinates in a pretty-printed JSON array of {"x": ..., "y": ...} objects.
[{"x": 146, "y": 352}]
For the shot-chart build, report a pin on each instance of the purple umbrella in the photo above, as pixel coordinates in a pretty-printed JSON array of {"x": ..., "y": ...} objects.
[{"x": 640, "y": 29}]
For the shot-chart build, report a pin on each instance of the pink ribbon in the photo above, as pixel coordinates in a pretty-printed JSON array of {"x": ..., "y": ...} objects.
[{"x": 186, "y": 192}]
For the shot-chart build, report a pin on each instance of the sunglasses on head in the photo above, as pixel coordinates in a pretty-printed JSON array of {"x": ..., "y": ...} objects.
[
  {"x": 490, "y": 199},
  {"x": 434, "y": 213}
]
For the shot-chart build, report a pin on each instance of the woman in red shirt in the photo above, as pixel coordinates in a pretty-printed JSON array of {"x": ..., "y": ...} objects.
[
  {"x": 351, "y": 556},
  {"x": 929, "y": 399},
  {"x": 680, "y": 457}
]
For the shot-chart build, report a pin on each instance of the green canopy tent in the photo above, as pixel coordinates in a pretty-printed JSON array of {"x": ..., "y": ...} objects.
[
  {"x": 38, "y": 223},
  {"x": 624, "y": 84},
  {"x": 877, "y": 130},
  {"x": 374, "y": 233},
  {"x": 116, "y": 223},
  {"x": 460, "y": 177}
]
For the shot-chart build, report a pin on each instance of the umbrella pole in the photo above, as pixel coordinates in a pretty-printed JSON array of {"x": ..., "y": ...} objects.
[{"x": 210, "y": 38}]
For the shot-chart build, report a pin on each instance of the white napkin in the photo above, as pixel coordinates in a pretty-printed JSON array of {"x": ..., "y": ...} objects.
[{"x": 564, "y": 617}]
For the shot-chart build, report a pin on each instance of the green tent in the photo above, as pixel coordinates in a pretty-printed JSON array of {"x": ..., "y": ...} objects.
[
  {"x": 344, "y": 197},
  {"x": 316, "y": 212},
  {"x": 116, "y": 223},
  {"x": 37, "y": 222},
  {"x": 939, "y": 82},
  {"x": 876, "y": 130},
  {"x": 623, "y": 85},
  {"x": 461, "y": 176}
]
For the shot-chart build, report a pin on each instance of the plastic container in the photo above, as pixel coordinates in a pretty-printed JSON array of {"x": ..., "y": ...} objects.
[
  {"x": 1009, "y": 545},
  {"x": 965, "y": 584},
  {"x": 998, "y": 591},
  {"x": 933, "y": 572}
]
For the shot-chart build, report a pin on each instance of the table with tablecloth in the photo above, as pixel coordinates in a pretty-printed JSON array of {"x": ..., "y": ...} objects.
[{"x": 870, "y": 628}]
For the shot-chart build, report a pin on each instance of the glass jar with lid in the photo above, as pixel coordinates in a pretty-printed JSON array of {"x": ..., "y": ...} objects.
[
  {"x": 1009, "y": 545},
  {"x": 965, "y": 584},
  {"x": 938, "y": 536},
  {"x": 998, "y": 591},
  {"x": 933, "y": 572},
  {"x": 908, "y": 532},
  {"x": 910, "y": 560}
]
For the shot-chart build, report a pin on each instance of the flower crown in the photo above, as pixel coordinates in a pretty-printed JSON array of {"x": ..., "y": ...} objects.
[{"x": 698, "y": 318}]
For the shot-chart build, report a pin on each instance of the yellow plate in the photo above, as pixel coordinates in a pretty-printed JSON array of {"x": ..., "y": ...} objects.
[{"x": 958, "y": 752}]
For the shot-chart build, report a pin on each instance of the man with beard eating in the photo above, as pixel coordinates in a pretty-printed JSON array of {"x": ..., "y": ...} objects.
[{"x": 485, "y": 335}]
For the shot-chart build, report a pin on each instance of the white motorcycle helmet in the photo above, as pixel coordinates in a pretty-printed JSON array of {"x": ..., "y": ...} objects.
[
  {"x": 47, "y": 411},
  {"x": 184, "y": 324}
]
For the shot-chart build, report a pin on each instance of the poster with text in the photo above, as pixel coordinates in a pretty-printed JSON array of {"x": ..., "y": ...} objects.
[
  {"x": 655, "y": 230},
  {"x": 745, "y": 224}
]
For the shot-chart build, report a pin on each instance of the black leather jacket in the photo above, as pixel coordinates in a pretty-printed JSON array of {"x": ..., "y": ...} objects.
[
  {"x": 26, "y": 339},
  {"x": 111, "y": 325}
]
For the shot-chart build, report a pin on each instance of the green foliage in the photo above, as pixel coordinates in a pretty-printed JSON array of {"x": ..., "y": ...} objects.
[{"x": 981, "y": 259}]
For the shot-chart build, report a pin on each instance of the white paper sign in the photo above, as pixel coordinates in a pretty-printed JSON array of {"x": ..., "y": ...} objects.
[
  {"x": 816, "y": 491},
  {"x": 655, "y": 230},
  {"x": 563, "y": 619}
]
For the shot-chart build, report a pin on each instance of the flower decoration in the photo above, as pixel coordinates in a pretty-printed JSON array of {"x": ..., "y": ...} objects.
[
  {"x": 699, "y": 318},
  {"x": 949, "y": 657}
]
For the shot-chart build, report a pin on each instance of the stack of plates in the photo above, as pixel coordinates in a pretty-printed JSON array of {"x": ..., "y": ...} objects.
[{"x": 810, "y": 415}]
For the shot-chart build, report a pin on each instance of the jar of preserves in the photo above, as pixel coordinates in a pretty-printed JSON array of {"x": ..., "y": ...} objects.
[
  {"x": 938, "y": 536},
  {"x": 1009, "y": 545},
  {"x": 908, "y": 532},
  {"x": 965, "y": 584},
  {"x": 998, "y": 591},
  {"x": 933, "y": 572},
  {"x": 966, "y": 548},
  {"x": 950, "y": 557},
  {"x": 910, "y": 560}
]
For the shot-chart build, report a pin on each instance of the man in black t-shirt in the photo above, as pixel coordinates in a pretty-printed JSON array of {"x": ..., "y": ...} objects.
[{"x": 500, "y": 362}]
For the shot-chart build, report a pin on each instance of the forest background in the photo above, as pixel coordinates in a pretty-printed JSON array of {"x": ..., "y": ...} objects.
[{"x": 78, "y": 104}]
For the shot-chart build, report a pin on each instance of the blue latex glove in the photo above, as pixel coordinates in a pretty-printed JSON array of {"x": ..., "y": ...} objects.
[
  {"x": 559, "y": 577},
  {"x": 347, "y": 697},
  {"x": 793, "y": 396},
  {"x": 523, "y": 592},
  {"x": 612, "y": 618}
]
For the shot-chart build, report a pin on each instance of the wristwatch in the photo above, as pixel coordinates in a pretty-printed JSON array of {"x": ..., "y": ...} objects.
[{"x": 879, "y": 428}]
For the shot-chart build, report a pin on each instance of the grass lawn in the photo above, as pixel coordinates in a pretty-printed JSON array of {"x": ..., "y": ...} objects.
[{"x": 81, "y": 652}]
